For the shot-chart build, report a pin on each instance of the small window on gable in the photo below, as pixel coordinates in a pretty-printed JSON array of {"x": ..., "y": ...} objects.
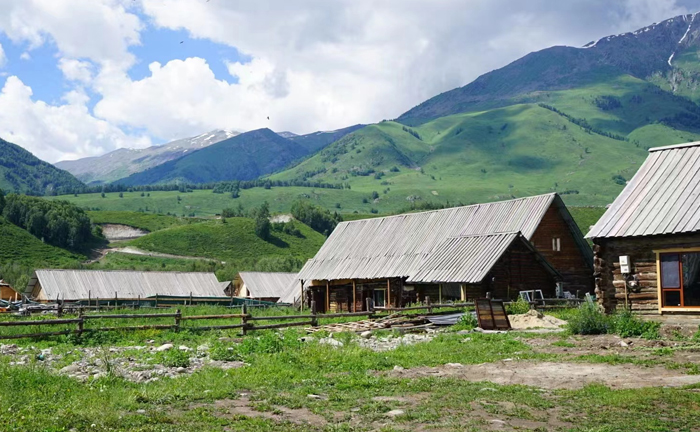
[{"x": 556, "y": 244}]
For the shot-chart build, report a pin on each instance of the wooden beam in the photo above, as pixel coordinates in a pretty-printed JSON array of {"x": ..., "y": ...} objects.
[
  {"x": 354, "y": 300},
  {"x": 440, "y": 293},
  {"x": 388, "y": 292},
  {"x": 301, "y": 299},
  {"x": 328, "y": 297}
]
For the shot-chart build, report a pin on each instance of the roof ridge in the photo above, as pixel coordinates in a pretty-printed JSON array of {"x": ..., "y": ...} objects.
[
  {"x": 451, "y": 208},
  {"x": 675, "y": 146},
  {"x": 123, "y": 271},
  {"x": 500, "y": 233}
]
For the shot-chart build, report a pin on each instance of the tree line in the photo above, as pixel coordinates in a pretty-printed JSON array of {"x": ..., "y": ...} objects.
[{"x": 58, "y": 223}]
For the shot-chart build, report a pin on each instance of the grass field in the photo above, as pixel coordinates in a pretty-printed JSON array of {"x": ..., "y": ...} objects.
[
  {"x": 147, "y": 221},
  {"x": 19, "y": 247},
  {"x": 233, "y": 239},
  {"x": 290, "y": 385}
]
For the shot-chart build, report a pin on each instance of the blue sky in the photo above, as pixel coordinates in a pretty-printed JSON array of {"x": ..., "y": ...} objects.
[{"x": 90, "y": 84}]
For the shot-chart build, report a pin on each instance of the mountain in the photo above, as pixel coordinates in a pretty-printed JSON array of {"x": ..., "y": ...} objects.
[
  {"x": 317, "y": 140},
  {"x": 577, "y": 121},
  {"x": 287, "y": 134},
  {"x": 244, "y": 157},
  {"x": 21, "y": 171},
  {"x": 124, "y": 162},
  {"x": 665, "y": 53}
]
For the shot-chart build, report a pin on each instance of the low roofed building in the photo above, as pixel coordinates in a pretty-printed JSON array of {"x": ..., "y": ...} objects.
[
  {"x": 268, "y": 286},
  {"x": 73, "y": 285}
]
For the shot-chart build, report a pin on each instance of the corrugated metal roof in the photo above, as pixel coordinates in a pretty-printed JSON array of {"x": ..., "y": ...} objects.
[
  {"x": 81, "y": 284},
  {"x": 661, "y": 198},
  {"x": 396, "y": 246},
  {"x": 267, "y": 284}
]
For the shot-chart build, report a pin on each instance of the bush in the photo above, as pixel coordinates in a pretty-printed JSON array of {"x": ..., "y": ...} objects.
[
  {"x": 318, "y": 218},
  {"x": 262, "y": 221},
  {"x": 589, "y": 319},
  {"x": 518, "y": 307},
  {"x": 222, "y": 352},
  {"x": 628, "y": 325},
  {"x": 173, "y": 358},
  {"x": 467, "y": 322}
]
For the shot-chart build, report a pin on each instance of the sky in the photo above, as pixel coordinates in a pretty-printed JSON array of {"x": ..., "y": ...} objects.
[{"x": 81, "y": 78}]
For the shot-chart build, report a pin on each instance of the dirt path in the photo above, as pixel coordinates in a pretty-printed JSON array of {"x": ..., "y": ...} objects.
[
  {"x": 136, "y": 251},
  {"x": 551, "y": 375}
]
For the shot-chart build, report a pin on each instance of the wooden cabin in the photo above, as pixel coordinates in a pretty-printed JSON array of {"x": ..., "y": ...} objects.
[
  {"x": 647, "y": 244},
  {"x": 8, "y": 293},
  {"x": 276, "y": 287},
  {"x": 454, "y": 254}
]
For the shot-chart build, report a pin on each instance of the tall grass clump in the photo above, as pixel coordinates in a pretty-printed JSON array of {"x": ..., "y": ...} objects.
[
  {"x": 519, "y": 306},
  {"x": 589, "y": 319},
  {"x": 628, "y": 325}
]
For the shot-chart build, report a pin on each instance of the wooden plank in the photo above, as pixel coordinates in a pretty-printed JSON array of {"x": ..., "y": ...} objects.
[
  {"x": 208, "y": 317},
  {"x": 281, "y": 317},
  {"x": 131, "y": 316},
  {"x": 216, "y": 327},
  {"x": 37, "y": 323},
  {"x": 484, "y": 314},
  {"x": 283, "y": 325},
  {"x": 499, "y": 315},
  {"x": 144, "y": 327}
]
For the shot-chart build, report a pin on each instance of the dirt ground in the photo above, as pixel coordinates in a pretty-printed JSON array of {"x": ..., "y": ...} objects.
[{"x": 556, "y": 375}]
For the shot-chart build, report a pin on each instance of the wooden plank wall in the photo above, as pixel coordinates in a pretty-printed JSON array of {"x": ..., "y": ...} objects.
[{"x": 569, "y": 261}]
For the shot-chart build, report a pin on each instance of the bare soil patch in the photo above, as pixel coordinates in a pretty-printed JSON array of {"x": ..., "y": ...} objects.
[
  {"x": 121, "y": 232},
  {"x": 243, "y": 406},
  {"x": 556, "y": 375}
]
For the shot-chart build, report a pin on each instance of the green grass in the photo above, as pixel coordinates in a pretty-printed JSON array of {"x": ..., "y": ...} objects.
[
  {"x": 147, "y": 221},
  {"x": 282, "y": 372},
  {"x": 233, "y": 240},
  {"x": 21, "y": 248}
]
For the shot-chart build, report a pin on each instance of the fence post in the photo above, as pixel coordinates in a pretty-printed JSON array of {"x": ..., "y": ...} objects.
[
  {"x": 177, "y": 320},
  {"x": 314, "y": 318},
  {"x": 190, "y": 298},
  {"x": 59, "y": 310},
  {"x": 80, "y": 323},
  {"x": 370, "y": 308},
  {"x": 244, "y": 319},
  {"x": 427, "y": 303}
]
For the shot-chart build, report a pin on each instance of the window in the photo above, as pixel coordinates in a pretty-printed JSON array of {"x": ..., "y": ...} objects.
[
  {"x": 379, "y": 298},
  {"x": 556, "y": 244},
  {"x": 680, "y": 279}
]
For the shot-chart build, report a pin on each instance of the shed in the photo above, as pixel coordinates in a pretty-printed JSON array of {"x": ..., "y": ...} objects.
[
  {"x": 268, "y": 286},
  {"x": 8, "y": 293},
  {"x": 647, "y": 244},
  {"x": 73, "y": 285},
  {"x": 400, "y": 254}
]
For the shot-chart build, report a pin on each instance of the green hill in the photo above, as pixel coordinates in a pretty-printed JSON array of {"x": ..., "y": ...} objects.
[
  {"x": 146, "y": 221},
  {"x": 23, "y": 249},
  {"x": 22, "y": 172},
  {"x": 233, "y": 240},
  {"x": 317, "y": 140},
  {"x": 244, "y": 157}
]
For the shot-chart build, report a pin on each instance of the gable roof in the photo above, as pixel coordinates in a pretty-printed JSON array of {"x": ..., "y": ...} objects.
[
  {"x": 469, "y": 259},
  {"x": 397, "y": 246},
  {"x": 662, "y": 197},
  {"x": 81, "y": 284},
  {"x": 268, "y": 284}
]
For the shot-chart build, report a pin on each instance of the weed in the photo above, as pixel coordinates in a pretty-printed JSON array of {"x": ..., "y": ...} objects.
[
  {"x": 519, "y": 306},
  {"x": 628, "y": 325},
  {"x": 589, "y": 319},
  {"x": 173, "y": 358}
]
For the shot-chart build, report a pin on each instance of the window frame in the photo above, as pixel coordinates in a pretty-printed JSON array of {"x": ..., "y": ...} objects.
[{"x": 660, "y": 290}]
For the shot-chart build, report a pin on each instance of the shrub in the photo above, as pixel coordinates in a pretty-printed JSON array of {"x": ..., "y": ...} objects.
[
  {"x": 628, "y": 325},
  {"x": 173, "y": 358},
  {"x": 589, "y": 319},
  {"x": 467, "y": 322},
  {"x": 262, "y": 221},
  {"x": 222, "y": 352},
  {"x": 518, "y": 307}
]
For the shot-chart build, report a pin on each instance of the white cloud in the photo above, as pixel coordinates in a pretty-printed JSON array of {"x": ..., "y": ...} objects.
[
  {"x": 55, "y": 132},
  {"x": 25, "y": 56},
  {"x": 101, "y": 30},
  {"x": 76, "y": 70},
  {"x": 3, "y": 57},
  {"x": 315, "y": 65}
]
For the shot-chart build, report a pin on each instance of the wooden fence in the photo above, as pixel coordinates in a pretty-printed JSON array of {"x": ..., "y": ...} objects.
[{"x": 247, "y": 321}]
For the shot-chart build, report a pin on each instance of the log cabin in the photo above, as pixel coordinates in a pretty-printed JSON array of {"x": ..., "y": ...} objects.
[
  {"x": 8, "y": 293},
  {"x": 275, "y": 287},
  {"x": 647, "y": 244},
  {"x": 455, "y": 254}
]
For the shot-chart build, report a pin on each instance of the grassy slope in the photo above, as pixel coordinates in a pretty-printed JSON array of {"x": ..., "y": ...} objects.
[
  {"x": 233, "y": 240},
  {"x": 147, "y": 221},
  {"x": 20, "y": 247}
]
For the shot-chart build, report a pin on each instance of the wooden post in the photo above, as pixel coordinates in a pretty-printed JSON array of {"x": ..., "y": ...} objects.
[
  {"x": 354, "y": 300},
  {"x": 190, "y": 298},
  {"x": 368, "y": 302},
  {"x": 80, "y": 323},
  {"x": 301, "y": 297},
  {"x": 177, "y": 320},
  {"x": 244, "y": 319},
  {"x": 138, "y": 305},
  {"x": 427, "y": 303},
  {"x": 328, "y": 296},
  {"x": 314, "y": 318},
  {"x": 440, "y": 294},
  {"x": 156, "y": 299},
  {"x": 463, "y": 293},
  {"x": 59, "y": 309},
  {"x": 89, "y": 299},
  {"x": 388, "y": 292}
]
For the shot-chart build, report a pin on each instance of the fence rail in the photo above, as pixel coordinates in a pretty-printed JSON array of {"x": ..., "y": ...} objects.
[{"x": 246, "y": 324}]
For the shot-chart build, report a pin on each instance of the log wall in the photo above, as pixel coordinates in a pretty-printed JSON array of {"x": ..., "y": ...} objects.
[{"x": 610, "y": 284}]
